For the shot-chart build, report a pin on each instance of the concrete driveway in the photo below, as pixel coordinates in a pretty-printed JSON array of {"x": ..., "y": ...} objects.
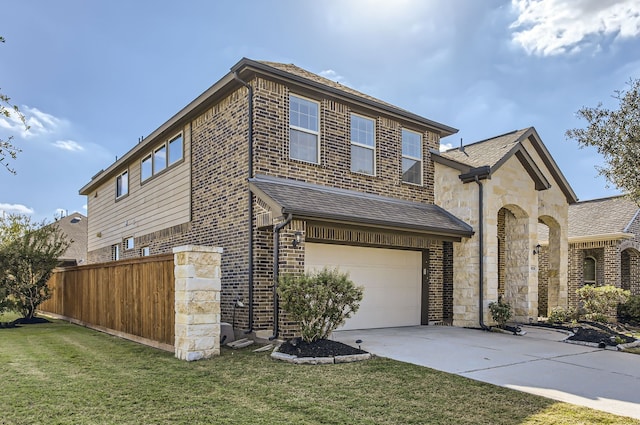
[{"x": 537, "y": 363}]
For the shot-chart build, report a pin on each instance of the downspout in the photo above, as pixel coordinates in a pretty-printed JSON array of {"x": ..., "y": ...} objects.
[
  {"x": 276, "y": 258},
  {"x": 249, "y": 197},
  {"x": 480, "y": 254}
]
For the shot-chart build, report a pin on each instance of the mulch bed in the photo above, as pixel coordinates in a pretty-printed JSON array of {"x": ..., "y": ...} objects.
[
  {"x": 320, "y": 348},
  {"x": 597, "y": 333},
  {"x": 23, "y": 321}
]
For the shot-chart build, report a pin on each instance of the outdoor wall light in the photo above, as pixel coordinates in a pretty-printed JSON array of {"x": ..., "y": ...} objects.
[
  {"x": 297, "y": 239},
  {"x": 536, "y": 250}
]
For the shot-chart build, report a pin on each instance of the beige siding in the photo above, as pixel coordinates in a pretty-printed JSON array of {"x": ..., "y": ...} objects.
[{"x": 161, "y": 202}]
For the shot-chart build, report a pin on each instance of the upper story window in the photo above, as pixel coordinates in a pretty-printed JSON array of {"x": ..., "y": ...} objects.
[
  {"x": 146, "y": 167},
  {"x": 411, "y": 157},
  {"x": 162, "y": 157},
  {"x": 115, "y": 252},
  {"x": 304, "y": 122},
  {"x": 175, "y": 150},
  {"x": 589, "y": 270},
  {"x": 122, "y": 184},
  {"x": 159, "y": 159},
  {"x": 363, "y": 146},
  {"x": 145, "y": 251}
]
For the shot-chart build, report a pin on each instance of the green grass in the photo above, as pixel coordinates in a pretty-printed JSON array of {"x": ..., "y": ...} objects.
[{"x": 59, "y": 373}]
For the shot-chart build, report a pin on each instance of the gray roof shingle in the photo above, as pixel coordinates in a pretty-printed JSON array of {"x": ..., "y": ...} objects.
[
  {"x": 487, "y": 152},
  {"x": 321, "y": 202},
  {"x": 601, "y": 216}
]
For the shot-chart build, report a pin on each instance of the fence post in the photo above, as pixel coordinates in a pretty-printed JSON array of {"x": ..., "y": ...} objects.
[{"x": 197, "y": 302}]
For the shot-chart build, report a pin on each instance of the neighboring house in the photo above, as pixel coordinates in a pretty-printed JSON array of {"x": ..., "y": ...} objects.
[
  {"x": 74, "y": 226},
  {"x": 276, "y": 163},
  {"x": 504, "y": 187},
  {"x": 604, "y": 245}
]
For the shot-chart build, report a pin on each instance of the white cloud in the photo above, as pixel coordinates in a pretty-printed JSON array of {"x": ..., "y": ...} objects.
[
  {"x": 553, "y": 27},
  {"x": 15, "y": 209},
  {"x": 84, "y": 207},
  {"x": 332, "y": 75},
  {"x": 39, "y": 123},
  {"x": 68, "y": 145},
  {"x": 445, "y": 146}
]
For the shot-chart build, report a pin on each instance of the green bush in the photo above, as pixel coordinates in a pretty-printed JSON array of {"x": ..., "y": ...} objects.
[
  {"x": 320, "y": 301},
  {"x": 559, "y": 315},
  {"x": 630, "y": 311},
  {"x": 500, "y": 312},
  {"x": 600, "y": 302}
]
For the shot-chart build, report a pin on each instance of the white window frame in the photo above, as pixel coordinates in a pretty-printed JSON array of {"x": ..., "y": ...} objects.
[
  {"x": 152, "y": 158},
  {"x": 124, "y": 176},
  {"x": 595, "y": 271},
  {"x": 305, "y": 130},
  {"x": 360, "y": 145},
  {"x": 115, "y": 252},
  {"x": 412, "y": 157},
  {"x": 128, "y": 243},
  {"x": 145, "y": 251}
]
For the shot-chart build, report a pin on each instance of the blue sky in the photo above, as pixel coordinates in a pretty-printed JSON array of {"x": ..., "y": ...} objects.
[{"x": 94, "y": 76}]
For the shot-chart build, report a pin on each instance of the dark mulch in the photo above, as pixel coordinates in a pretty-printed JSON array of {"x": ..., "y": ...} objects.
[
  {"x": 23, "y": 321},
  {"x": 597, "y": 333},
  {"x": 320, "y": 348}
]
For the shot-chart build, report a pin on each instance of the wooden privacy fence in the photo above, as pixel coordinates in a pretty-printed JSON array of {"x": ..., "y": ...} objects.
[{"x": 131, "y": 298}]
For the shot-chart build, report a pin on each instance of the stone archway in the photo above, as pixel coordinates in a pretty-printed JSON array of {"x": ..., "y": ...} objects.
[
  {"x": 630, "y": 269},
  {"x": 513, "y": 260},
  {"x": 549, "y": 287}
]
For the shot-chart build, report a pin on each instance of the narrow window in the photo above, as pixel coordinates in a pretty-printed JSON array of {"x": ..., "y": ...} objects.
[
  {"x": 122, "y": 184},
  {"x": 304, "y": 140},
  {"x": 115, "y": 252},
  {"x": 589, "y": 270},
  {"x": 159, "y": 159},
  {"x": 146, "y": 169},
  {"x": 411, "y": 157},
  {"x": 129, "y": 243},
  {"x": 363, "y": 150},
  {"x": 175, "y": 149},
  {"x": 145, "y": 251}
]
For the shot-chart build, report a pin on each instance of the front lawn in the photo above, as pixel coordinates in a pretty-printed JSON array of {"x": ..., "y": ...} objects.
[{"x": 65, "y": 374}]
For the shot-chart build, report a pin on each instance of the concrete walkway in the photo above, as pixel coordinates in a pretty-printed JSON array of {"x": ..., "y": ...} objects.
[{"x": 537, "y": 363}]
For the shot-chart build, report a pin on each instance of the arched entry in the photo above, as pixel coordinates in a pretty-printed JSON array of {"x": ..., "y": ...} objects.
[
  {"x": 513, "y": 259},
  {"x": 630, "y": 270},
  {"x": 549, "y": 261}
]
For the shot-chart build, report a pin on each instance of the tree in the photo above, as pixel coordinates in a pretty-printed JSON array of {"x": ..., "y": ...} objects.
[
  {"x": 7, "y": 149},
  {"x": 28, "y": 254},
  {"x": 616, "y": 135}
]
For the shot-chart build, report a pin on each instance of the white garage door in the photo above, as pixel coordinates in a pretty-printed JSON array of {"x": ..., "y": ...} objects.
[{"x": 391, "y": 279}]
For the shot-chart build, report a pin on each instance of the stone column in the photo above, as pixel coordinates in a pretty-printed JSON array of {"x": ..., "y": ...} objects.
[{"x": 197, "y": 302}]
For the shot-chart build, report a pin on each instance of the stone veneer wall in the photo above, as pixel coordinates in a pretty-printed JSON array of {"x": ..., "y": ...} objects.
[{"x": 197, "y": 302}]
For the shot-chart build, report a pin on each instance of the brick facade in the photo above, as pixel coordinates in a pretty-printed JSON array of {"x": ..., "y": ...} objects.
[{"x": 219, "y": 204}]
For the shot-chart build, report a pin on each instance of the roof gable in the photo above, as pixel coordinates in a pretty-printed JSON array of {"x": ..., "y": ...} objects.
[{"x": 494, "y": 152}]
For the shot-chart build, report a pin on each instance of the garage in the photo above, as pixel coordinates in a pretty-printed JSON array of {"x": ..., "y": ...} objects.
[{"x": 391, "y": 279}]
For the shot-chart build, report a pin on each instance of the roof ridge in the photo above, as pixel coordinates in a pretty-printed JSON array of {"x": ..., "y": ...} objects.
[
  {"x": 606, "y": 198},
  {"x": 490, "y": 138}
]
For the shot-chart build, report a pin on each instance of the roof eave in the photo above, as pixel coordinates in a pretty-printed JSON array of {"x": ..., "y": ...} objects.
[{"x": 601, "y": 237}]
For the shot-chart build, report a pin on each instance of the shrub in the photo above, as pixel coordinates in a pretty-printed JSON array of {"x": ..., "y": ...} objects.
[
  {"x": 500, "y": 312},
  {"x": 601, "y": 301},
  {"x": 630, "y": 311},
  {"x": 558, "y": 315},
  {"x": 320, "y": 301}
]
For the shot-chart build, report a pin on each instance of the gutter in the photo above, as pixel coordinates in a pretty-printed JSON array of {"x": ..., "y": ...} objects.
[
  {"x": 249, "y": 196},
  {"x": 475, "y": 175},
  {"x": 276, "y": 259}
]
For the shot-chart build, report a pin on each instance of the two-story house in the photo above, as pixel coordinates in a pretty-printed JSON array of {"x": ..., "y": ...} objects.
[{"x": 287, "y": 171}]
